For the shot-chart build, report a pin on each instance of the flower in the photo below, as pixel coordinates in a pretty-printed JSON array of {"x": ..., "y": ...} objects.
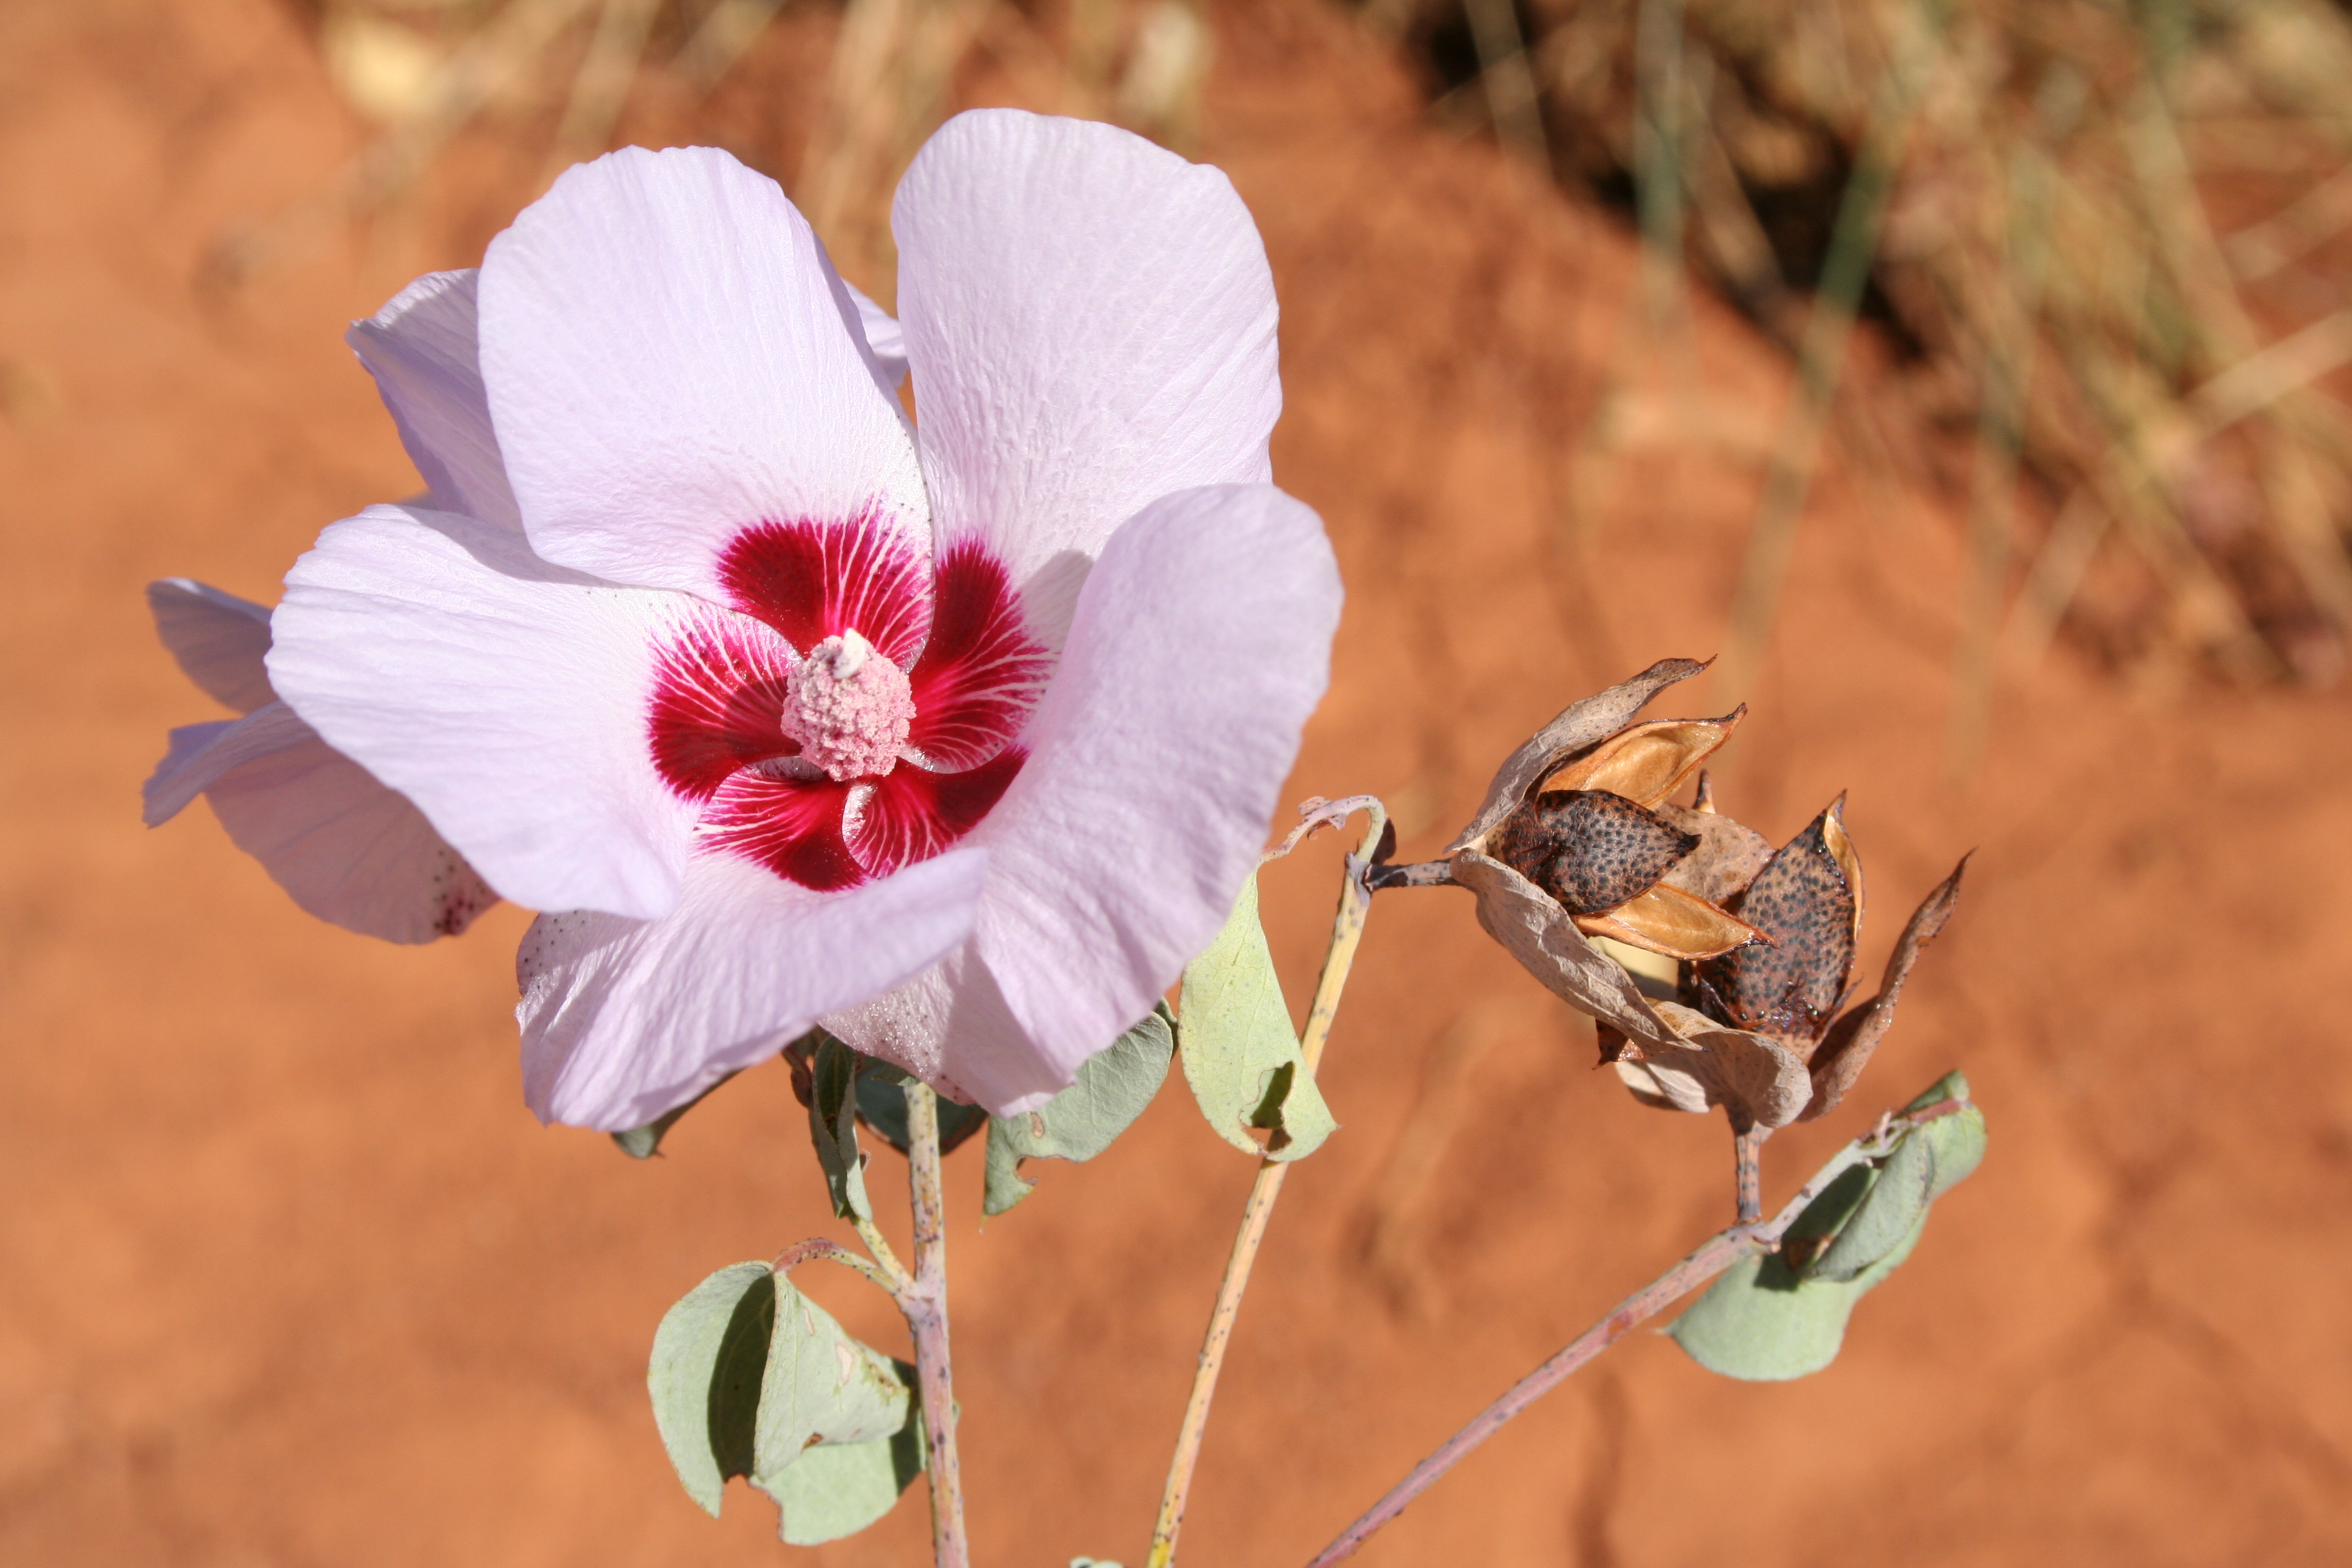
[{"x": 959, "y": 736}]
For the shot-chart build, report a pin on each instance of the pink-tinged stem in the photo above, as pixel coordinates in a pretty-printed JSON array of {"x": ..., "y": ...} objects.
[
  {"x": 1748, "y": 1171},
  {"x": 1718, "y": 1254},
  {"x": 925, "y": 1303}
]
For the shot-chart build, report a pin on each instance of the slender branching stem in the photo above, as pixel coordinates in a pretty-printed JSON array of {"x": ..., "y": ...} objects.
[
  {"x": 1718, "y": 1253},
  {"x": 810, "y": 1251},
  {"x": 1747, "y": 1170},
  {"x": 893, "y": 1273},
  {"x": 924, "y": 1301},
  {"x": 1347, "y": 933}
]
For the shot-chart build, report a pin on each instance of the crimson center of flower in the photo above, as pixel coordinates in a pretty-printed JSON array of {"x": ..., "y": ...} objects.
[{"x": 849, "y": 707}]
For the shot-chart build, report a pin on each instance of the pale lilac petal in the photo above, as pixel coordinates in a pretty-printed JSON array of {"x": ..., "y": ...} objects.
[
  {"x": 672, "y": 360},
  {"x": 885, "y": 340},
  {"x": 219, "y": 640},
  {"x": 196, "y": 754},
  {"x": 508, "y": 699},
  {"x": 622, "y": 1019},
  {"x": 1091, "y": 324},
  {"x": 1202, "y": 643},
  {"x": 343, "y": 845},
  {"x": 950, "y": 1026},
  {"x": 421, "y": 349}
]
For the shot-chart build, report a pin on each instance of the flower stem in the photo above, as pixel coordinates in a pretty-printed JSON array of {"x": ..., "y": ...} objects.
[
  {"x": 924, "y": 1301},
  {"x": 1347, "y": 934},
  {"x": 1718, "y": 1253}
]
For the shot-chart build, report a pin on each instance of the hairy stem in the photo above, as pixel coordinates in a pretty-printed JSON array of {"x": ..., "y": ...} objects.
[
  {"x": 1347, "y": 933},
  {"x": 1747, "y": 1170},
  {"x": 793, "y": 1257},
  {"x": 924, "y": 1301},
  {"x": 1718, "y": 1253},
  {"x": 892, "y": 1273}
]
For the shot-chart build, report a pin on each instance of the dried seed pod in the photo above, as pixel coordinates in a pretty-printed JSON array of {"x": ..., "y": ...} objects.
[
  {"x": 1846, "y": 1050},
  {"x": 1808, "y": 900},
  {"x": 1590, "y": 849}
]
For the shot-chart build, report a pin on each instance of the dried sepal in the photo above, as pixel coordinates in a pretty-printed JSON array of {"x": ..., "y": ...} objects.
[
  {"x": 1669, "y": 921},
  {"x": 1807, "y": 900},
  {"x": 1846, "y": 1050},
  {"x": 1760, "y": 1081},
  {"x": 1728, "y": 856},
  {"x": 1648, "y": 761},
  {"x": 1590, "y": 849},
  {"x": 1579, "y": 726},
  {"x": 1542, "y": 936}
]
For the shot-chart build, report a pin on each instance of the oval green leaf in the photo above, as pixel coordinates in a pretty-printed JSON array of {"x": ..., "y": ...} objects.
[
  {"x": 1110, "y": 1092},
  {"x": 710, "y": 1356},
  {"x": 1240, "y": 1056}
]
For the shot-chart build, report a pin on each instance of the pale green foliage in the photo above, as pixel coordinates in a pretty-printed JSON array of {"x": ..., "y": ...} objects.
[
  {"x": 750, "y": 1377},
  {"x": 1240, "y": 1055},
  {"x": 705, "y": 1377},
  {"x": 1766, "y": 1318},
  {"x": 1761, "y": 1323},
  {"x": 1111, "y": 1090},
  {"x": 839, "y": 1488},
  {"x": 833, "y": 1127}
]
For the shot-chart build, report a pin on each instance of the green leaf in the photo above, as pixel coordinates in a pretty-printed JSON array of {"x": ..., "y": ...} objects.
[
  {"x": 839, "y": 1488},
  {"x": 1784, "y": 1315},
  {"x": 1761, "y": 1323},
  {"x": 1240, "y": 1056},
  {"x": 750, "y": 1378},
  {"x": 882, "y": 1106},
  {"x": 821, "y": 1387},
  {"x": 704, "y": 1376},
  {"x": 1892, "y": 1210},
  {"x": 642, "y": 1143},
  {"x": 833, "y": 1127},
  {"x": 1111, "y": 1090}
]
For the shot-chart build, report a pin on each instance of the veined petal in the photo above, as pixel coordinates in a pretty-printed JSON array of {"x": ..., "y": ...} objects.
[
  {"x": 671, "y": 360},
  {"x": 218, "y": 640},
  {"x": 346, "y": 848},
  {"x": 1201, "y": 644},
  {"x": 950, "y": 1027},
  {"x": 422, "y": 350},
  {"x": 886, "y": 340},
  {"x": 508, "y": 699},
  {"x": 623, "y": 1020},
  {"x": 1091, "y": 324}
]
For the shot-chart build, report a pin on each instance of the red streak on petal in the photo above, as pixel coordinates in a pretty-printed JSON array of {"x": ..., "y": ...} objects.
[
  {"x": 813, "y": 580},
  {"x": 718, "y": 693},
  {"x": 793, "y": 828},
  {"x": 981, "y": 673},
  {"x": 914, "y": 814}
]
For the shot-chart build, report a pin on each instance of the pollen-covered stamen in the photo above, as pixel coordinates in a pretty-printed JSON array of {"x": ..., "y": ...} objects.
[{"x": 849, "y": 707}]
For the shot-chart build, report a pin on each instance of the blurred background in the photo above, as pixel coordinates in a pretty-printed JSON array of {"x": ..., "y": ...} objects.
[{"x": 1969, "y": 376}]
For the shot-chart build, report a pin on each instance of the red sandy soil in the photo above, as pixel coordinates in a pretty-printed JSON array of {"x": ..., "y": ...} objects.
[{"x": 288, "y": 1276}]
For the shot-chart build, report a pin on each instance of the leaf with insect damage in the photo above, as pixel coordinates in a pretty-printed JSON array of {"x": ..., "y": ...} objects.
[
  {"x": 821, "y": 1387},
  {"x": 1111, "y": 1090},
  {"x": 1241, "y": 1057}
]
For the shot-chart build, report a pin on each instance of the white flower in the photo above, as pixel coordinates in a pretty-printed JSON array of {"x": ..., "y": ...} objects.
[{"x": 960, "y": 738}]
